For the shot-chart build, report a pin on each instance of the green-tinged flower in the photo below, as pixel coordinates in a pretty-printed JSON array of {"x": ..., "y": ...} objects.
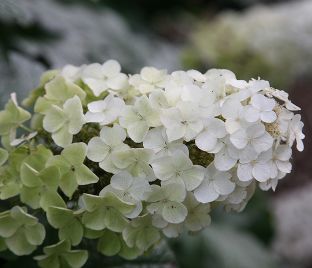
[
  {"x": 141, "y": 233},
  {"x": 4, "y": 155},
  {"x": 67, "y": 222},
  {"x": 39, "y": 91},
  {"x": 21, "y": 231},
  {"x": 10, "y": 119},
  {"x": 64, "y": 122},
  {"x": 57, "y": 92},
  {"x": 61, "y": 256},
  {"x": 10, "y": 181},
  {"x": 73, "y": 171},
  {"x": 105, "y": 211},
  {"x": 40, "y": 183}
]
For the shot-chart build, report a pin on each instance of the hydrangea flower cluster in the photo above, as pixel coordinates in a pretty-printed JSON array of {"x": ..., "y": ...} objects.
[{"x": 126, "y": 160}]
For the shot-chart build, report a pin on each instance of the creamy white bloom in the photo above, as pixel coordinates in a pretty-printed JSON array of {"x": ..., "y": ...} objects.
[
  {"x": 178, "y": 169},
  {"x": 215, "y": 184},
  {"x": 105, "y": 111},
  {"x": 99, "y": 77},
  {"x": 295, "y": 132},
  {"x": 182, "y": 121}
]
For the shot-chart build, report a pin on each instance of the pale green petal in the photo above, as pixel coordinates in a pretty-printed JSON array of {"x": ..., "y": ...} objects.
[
  {"x": 73, "y": 232},
  {"x": 58, "y": 216},
  {"x": 50, "y": 176},
  {"x": 174, "y": 212},
  {"x": 20, "y": 215},
  {"x": 84, "y": 175},
  {"x": 62, "y": 137},
  {"x": 19, "y": 244},
  {"x": 74, "y": 112},
  {"x": 51, "y": 198},
  {"x": 30, "y": 176},
  {"x": 54, "y": 119},
  {"x": 114, "y": 220},
  {"x": 35, "y": 234},
  {"x": 97, "y": 149},
  {"x": 75, "y": 153},
  {"x": 57, "y": 248},
  {"x": 59, "y": 162},
  {"x": 147, "y": 237},
  {"x": 48, "y": 261},
  {"x": 31, "y": 196},
  {"x": 9, "y": 190},
  {"x": 94, "y": 220},
  {"x": 129, "y": 253},
  {"x": 91, "y": 202},
  {"x": 68, "y": 183},
  {"x": 3, "y": 156},
  {"x": 109, "y": 244},
  {"x": 76, "y": 258},
  {"x": 8, "y": 225}
]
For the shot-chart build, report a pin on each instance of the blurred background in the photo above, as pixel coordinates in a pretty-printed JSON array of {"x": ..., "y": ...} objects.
[{"x": 254, "y": 38}]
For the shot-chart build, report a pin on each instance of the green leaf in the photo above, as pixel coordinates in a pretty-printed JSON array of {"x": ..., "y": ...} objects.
[{"x": 109, "y": 244}]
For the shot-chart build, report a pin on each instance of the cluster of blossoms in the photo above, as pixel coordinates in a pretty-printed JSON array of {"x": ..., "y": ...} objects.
[{"x": 126, "y": 160}]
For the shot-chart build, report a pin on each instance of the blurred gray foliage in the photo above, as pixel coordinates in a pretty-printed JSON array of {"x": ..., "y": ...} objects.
[
  {"x": 224, "y": 246},
  {"x": 293, "y": 216},
  {"x": 83, "y": 35}
]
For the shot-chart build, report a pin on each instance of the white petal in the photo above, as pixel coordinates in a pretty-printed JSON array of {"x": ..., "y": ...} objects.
[
  {"x": 268, "y": 117},
  {"x": 205, "y": 192},
  {"x": 223, "y": 161},
  {"x": 261, "y": 172},
  {"x": 121, "y": 181},
  {"x": 244, "y": 172},
  {"x": 193, "y": 177},
  {"x": 97, "y": 149},
  {"x": 174, "y": 212},
  {"x": 251, "y": 114},
  {"x": 224, "y": 186},
  {"x": 263, "y": 143},
  {"x": 239, "y": 139},
  {"x": 206, "y": 141}
]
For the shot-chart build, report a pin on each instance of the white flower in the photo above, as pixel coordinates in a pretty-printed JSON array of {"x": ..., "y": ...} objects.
[
  {"x": 136, "y": 161},
  {"x": 129, "y": 189},
  {"x": 178, "y": 169},
  {"x": 215, "y": 184},
  {"x": 156, "y": 139},
  {"x": 295, "y": 132},
  {"x": 234, "y": 114},
  {"x": 100, "y": 149},
  {"x": 226, "y": 156},
  {"x": 253, "y": 87},
  {"x": 260, "y": 168},
  {"x": 138, "y": 118},
  {"x": 166, "y": 201},
  {"x": 254, "y": 136},
  {"x": 261, "y": 108},
  {"x": 105, "y": 111},
  {"x": 71, "y": 72},
  {"x": 99, "y": 78},
  {"x": 208, "y": 140},
  {"x": 203, "y": 97},
  {"x": 174, "y": 85},
  {"x": 149, "y": 79},
  {"x": 283, "y": 96},
  {"x": 182, "y": 121}
]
